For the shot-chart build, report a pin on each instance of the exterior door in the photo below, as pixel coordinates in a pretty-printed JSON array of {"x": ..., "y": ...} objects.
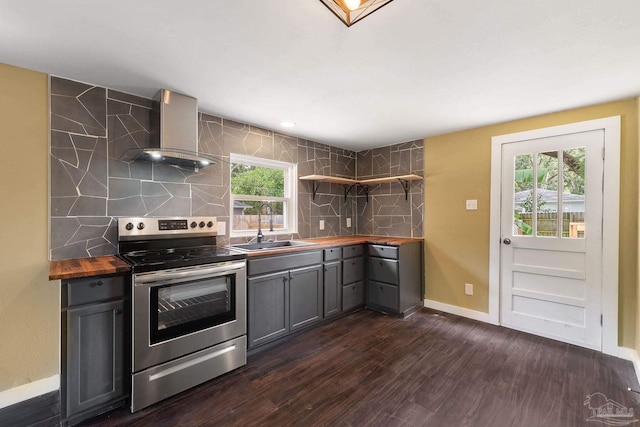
[{"x": 551, "y": 237}]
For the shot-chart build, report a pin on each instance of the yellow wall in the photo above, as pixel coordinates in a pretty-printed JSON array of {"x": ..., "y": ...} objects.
[
  {"x": 458, "y": 167},
  {"x": 638, "y": 263},
  {"x": 29, "y": 303}
]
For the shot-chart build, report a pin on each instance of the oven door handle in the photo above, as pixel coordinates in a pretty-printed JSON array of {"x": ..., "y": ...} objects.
[{"x": 159, "y": 278}]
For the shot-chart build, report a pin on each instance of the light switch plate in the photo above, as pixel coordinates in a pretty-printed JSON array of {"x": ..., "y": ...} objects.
[
  {"x": 472, "y": 205},
  {"x": 222, "y": 228},
  {"x": 348, "y": 222},
  {"x": 322, "y": 224}
]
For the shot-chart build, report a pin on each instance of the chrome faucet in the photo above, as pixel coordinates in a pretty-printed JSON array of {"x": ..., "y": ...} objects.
[{"x": 260, "y": 235}]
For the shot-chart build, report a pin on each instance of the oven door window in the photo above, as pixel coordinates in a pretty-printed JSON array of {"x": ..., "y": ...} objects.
[{"x": 183, "y": 308}]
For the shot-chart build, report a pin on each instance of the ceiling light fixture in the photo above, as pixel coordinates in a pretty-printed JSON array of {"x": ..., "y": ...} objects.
[
  {"x": 352, "y": 11},
  {"x": 287, "y": 124},
  {"x": 352, "y": 4}
]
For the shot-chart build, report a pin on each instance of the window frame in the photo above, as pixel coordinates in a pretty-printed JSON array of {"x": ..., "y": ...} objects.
[{"x": 289, "y": 199}]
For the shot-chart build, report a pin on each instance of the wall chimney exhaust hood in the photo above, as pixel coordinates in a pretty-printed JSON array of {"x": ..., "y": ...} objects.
[{"x": 178, "y": 135}]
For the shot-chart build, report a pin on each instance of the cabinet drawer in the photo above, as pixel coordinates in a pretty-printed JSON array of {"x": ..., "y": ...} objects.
[
  {"x": 352, "y": 270},
  {"x": 273, "y": 263},
  {"x": 352, "y": 295},
  {"x": 93, "y": 289},
  {"x": 352, "y": 251},
  {"x": 383, "y": 270},
  {"x": 382, "y": 251},
  {"x": 332, "y": 254},
  {"x": 383, "y": 295}
]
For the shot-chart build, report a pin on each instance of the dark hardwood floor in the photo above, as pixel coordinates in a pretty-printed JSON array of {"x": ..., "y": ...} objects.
[{"x": 430, "y": 369}]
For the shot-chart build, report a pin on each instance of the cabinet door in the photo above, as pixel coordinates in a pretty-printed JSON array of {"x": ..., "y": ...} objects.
[
  {"x": 306, "y": 296},
  {"x": 95, "y": 340},
  {"x": 383, "y": 295},
  {"x": 332, "y": 289},
  {"x": 352, "y": 270},
  {"x": 352, "y": 295},
  {"x": 268, "y": 307},
  {"x": 383, "y": 270}
]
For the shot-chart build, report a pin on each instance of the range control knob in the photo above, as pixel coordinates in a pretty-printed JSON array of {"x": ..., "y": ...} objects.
[
  {"x": 194, "y": 224},
  {"x": 201, "y": 224},
  {"x": 129, "y": 226},
  {"x": 210, "y": 224},
  {"x": 140, "y": 225}
]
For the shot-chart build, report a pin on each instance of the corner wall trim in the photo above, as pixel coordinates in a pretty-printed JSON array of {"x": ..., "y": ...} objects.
[
  {"x": 29, "y": 391},
  {"x": 632, "y": 355},
  {"x": 459, "y": 311}
]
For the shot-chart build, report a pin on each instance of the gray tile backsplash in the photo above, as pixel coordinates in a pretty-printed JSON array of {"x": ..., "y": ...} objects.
[
  {"x": 385, "y": 211},
  {"x": 91, "y": 186}
]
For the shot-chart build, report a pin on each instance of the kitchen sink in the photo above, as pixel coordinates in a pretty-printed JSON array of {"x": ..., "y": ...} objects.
[{"x": 262, "y": 246}]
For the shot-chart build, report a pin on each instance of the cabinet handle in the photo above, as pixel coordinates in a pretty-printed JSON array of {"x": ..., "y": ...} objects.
[
  {"x": 381, "y": 289},
  {"x": 116, "y": 312},
  {"x": 380, "y": 262},
  {"x": 326, "y": 269},
  {"x": 284, "y": 280},
  {"x": 353, "y": 263},
  {"x": 353, "y": 287},
  {"x": 99, "y": 283}
]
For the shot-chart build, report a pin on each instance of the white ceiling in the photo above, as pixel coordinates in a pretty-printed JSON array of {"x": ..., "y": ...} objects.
[{"x": 412, "y": 69}]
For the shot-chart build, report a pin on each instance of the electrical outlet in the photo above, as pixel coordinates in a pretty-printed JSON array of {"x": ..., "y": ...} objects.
[
  {"x": 348, "y": 222},
  {"x": 222, "y": 228},
  {"x": 468, "y": 289},
  {"x": 321, "y": 224},
  {"x": 472, "y": 205}
]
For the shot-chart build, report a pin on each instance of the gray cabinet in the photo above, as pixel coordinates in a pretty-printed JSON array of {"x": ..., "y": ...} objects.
[
  {"x": 285, "y": 293},
  {"x": 332, "y": 288},
  {"x": 268, "y": 307},
  {"x": 394, "y": 278},
  {"x": 353, "y": 295},
  {"x": 352, "y": 277},
  {"x": 94, "y": 315},
  {"x": 305, "y": 293}
]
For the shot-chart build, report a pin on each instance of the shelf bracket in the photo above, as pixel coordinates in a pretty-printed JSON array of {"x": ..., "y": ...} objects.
[
  {"x": 405, "y": 187},
  {"x": 314, "y": 188},
  {"x": 347, "y": 190},
  {"x": 366, "y": 191}
]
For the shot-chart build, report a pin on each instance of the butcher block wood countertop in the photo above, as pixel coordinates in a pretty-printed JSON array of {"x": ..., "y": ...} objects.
[
  {"x": 86, "y": 267},
  {"x": 328, "y": 242},
  {"x": 104, "y": 265}
]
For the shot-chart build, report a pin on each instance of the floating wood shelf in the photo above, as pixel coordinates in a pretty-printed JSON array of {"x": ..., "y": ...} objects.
[
  {"x": 349, "y": 183},
  {"x": 388, "y": 179}
]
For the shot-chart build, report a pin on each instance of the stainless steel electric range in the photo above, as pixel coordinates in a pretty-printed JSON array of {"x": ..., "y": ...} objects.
[{"x": 188, "y": 305}]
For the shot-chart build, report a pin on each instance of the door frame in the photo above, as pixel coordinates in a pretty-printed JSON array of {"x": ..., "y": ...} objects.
[{"x": 610, "y": 218}]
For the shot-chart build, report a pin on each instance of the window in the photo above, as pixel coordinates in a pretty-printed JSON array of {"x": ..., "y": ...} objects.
[
  {"x": 257, "y": 184},
  {"x": 558, "y": 208}
]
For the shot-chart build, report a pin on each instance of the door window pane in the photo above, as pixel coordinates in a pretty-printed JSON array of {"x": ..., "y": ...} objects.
[
  {"x": 573, "y": 197},
  {"x": 183, "y": 308},
  {"x": 522, "y": 195},
  {"x": 547, "y": 195}
]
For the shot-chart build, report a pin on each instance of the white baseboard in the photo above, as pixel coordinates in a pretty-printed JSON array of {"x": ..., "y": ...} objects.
[
  {"x": 632, "y": 355},
  {"x": 29, "y": 391},
  {"x": 459, "y": 311}
]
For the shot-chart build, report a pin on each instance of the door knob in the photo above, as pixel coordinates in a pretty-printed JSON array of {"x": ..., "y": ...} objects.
[{"x": 507, "y": 241}]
